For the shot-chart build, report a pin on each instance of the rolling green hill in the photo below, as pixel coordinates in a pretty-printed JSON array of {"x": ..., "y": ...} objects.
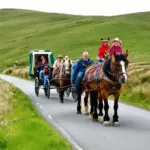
[{"x": 22, "y": 30}]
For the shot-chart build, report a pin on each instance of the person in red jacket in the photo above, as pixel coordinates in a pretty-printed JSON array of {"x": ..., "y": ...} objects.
[{"x": 103, "y": 50}]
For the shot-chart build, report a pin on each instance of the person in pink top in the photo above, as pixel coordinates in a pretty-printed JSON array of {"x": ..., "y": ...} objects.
[{"x": 116, "y": 46}]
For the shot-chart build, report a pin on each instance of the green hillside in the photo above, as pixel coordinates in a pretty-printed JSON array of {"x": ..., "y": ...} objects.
[{"x": 22, "y": 30}]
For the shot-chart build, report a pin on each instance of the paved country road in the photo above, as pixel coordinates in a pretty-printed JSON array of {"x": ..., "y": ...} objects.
[{"x": 133, "y": 133}]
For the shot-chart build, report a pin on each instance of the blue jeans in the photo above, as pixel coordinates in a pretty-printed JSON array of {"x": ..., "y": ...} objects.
[
  {"x": 43, "y": 78},
  {"x": 80, "y": 76},
  {"x": 45, "y": 81},
  {"x": 99, "y": 62},
  {"x": 41, "y": 74}
]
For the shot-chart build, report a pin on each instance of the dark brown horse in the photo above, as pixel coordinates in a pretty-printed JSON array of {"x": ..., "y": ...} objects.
[
  {"x": 102, "y": 81},
  {"x": 61, "y": 78}
]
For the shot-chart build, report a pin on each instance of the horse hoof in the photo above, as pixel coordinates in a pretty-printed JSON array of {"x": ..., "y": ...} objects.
[
  {"x": 78, "y": 112},
  {"x": 61, "y": 102},
  {"x": 106, "y": 123},
  {"x": 91, "y": 116},
  {"x": 116, "y": 124},
  {"x": 101, "y": 119}
]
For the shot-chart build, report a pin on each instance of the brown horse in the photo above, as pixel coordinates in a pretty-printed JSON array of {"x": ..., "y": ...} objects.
[
  {"x": 61, "y": 78},
  {"x": 102, "y": 81}
]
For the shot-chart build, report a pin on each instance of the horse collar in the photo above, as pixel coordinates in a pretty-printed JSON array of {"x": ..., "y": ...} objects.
[{"x": 113, "y": 83}]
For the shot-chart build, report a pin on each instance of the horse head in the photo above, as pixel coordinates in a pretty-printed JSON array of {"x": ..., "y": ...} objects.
[
  {"x": 119, "y": 65},
  {"x": 67, "y": 66}
]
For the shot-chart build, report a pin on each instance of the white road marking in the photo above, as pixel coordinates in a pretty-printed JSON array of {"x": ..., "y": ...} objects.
[
  {"x": 49, "y": 116},
  {"x": 41, "y": 106},
  {"x": 69, "y": 138}
]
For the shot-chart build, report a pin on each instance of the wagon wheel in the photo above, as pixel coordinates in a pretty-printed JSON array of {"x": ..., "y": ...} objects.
[
  {"x": 68, "y": 91},
  {"x": 61, "y": 96},
  {"x": 48, "y": 89},
  {"x": 74, "y": 96},
  {"x": 37, "y": 86},
  {"x": 57, "y": 91}
]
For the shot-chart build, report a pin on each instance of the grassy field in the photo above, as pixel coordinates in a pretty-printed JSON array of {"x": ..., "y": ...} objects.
[
  {"x": 21, "y": 127},
  {"x": 137, "y": 89},
  {"x": 22, "y": 30}
]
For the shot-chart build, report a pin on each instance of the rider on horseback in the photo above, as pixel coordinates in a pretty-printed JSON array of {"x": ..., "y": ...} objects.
[
  {"x": 78, "y": 71},
  {"x": 103, "y": 50},
  {"x": 57, "y": 65},
  {"x": 116, "y": 47}
]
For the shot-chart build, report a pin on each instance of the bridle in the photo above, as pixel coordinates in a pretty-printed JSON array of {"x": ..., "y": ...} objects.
[{"x": 114, "y": 72}]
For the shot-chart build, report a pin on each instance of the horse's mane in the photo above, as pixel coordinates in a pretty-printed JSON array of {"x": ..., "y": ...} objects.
[
  {"x": 106, "y": 68},
  {"x": 120, "y": 57}
]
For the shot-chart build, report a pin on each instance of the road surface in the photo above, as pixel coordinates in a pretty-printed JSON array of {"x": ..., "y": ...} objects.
[{"x": 83, "y": 134}]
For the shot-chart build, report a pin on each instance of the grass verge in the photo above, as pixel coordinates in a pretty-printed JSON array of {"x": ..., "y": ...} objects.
[
  {"x": 136, "y": 90},
  {"x": 21, "y": 127}
]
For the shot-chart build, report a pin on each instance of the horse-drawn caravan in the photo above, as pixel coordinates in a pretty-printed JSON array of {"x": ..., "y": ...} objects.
[
  {"x": 36, "y": 57},
  {"x": 96, "y": 80},
  {"x": 57, "y": 75}
]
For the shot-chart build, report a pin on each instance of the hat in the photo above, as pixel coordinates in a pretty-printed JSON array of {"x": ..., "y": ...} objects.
[
  {"x": 59, "y": 56},
  {"x": 105, "y": 39},
  {"x": 117, "y": 39}
]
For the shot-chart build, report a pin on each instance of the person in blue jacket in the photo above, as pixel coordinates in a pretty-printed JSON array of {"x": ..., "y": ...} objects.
[{"x": 78, "y": 71}]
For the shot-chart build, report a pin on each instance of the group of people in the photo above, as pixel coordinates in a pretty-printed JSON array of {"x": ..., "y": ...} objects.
[
  {"x": 44, "y": 68},
  {"x": 78, "y": 70},
  {"x": 104, "y": 52}
]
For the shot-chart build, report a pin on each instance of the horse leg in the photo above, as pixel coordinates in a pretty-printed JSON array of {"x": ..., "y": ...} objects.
[
  {"x": 115, "y": 116},
  {"x": 94, "y": 98},
  {"x": 100, "y": 106},
  {"x": 61, "y": 96},
  {"x": 79, "y": 104},
  {"x": 92, "y": 107},
  {"x": 106, "y": 107},
  {"x": 86, "y": 103}
]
